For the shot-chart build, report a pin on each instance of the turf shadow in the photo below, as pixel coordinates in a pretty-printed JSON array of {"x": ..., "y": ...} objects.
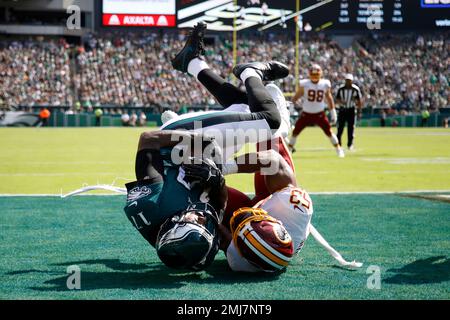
[
  {"x": 423, "y": 271},
  {"x": 114, "y": 264},
  {"x": 344, "y": 268},
  {"x": 137, "y": 276}
]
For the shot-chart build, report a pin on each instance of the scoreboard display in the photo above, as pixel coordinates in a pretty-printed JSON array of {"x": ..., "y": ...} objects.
[
  {"x": 138, "y": 13},
  {"x": 317, "y": 15},
  {"x": 379, "y": 15}
]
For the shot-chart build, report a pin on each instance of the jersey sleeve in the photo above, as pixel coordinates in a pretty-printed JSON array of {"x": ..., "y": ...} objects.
[
  {"x": 142, "y": 208},
  {"x": 358, "y": 93},
  {"x": 327, "y": 84},
  {"x": 303, "y": 82}
]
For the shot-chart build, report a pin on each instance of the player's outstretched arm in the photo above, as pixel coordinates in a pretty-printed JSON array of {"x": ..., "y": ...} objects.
[
  {"x": 330, "y": 100},
  {"x": 331, "y": 106},
  {"x": 149, "y": 163},
  {"x": 298, "y": 94}
]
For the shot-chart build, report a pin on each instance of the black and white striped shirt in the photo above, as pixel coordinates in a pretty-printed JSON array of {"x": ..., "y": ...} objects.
[{"x": 349, "y": 95}]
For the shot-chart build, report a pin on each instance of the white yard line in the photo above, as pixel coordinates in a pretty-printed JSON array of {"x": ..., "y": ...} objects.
[
  {"x": 411, "y": 160},
  {"x": 56, "y": 174},
  {"x": 248, "y": 193}
]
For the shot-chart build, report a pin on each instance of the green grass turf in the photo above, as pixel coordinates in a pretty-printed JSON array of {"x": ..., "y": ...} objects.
[
  {"x": 46, "y": 161},
  {"x": 407, "y": 238},
  {"x": 40, "y": 236}
]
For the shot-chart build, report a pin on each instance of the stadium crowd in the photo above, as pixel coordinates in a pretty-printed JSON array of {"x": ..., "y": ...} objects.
[
  {"x": 397, "y": 72},
  {"x": 35, "y": 73}
]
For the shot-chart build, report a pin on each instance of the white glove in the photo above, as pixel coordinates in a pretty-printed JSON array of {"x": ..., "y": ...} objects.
[{"x": 333, "y": 115}]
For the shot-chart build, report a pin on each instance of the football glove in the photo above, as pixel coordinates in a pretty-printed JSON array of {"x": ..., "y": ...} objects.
[
  {"x": 203, "y": 171},
  {"x": 333, "y": 116}
]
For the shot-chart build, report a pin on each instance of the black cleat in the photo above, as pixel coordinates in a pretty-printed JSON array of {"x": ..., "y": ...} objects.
[
  {"x": 268, "y": 71},
  {"x": 193, "y": 48}
]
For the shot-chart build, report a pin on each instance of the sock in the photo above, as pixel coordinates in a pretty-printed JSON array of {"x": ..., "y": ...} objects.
[
  {"x": 292, "y": 141},
  {"x": 196, "y": 65},
  {"x": 249, "y": 72},
  {"x": 334, "y": 140}
]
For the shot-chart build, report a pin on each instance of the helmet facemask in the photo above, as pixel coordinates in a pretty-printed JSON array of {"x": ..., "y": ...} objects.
[
  {"x": 315, "y": 73},
  {"x": 189, "y": 240}
]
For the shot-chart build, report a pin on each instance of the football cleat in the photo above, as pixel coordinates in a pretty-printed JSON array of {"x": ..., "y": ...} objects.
[
  {"x": 261, "y": 239},
  {"x": 269, "y": 71},
  {"x": 340, "y": 152},
  {"x": 193, "y": 48}
]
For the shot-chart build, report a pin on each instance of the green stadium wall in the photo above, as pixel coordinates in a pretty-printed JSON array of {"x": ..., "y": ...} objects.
[{"x": 60, "y": 119}]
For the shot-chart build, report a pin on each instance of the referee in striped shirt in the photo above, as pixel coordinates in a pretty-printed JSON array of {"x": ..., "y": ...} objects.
[{"x": 348, "y": 98}]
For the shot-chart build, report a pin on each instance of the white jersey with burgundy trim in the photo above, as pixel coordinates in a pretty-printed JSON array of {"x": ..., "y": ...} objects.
[
  {"x": 294, "y": 208},
  {"x": 314, "y": 95}
]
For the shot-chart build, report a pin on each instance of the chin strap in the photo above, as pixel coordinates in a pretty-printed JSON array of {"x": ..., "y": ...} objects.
[
  {"x": 96, "y": 187},
  {"x": 336, "y": 255}
]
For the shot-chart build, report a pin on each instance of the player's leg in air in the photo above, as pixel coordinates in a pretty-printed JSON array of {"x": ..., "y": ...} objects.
[
  {"x": 259, "y": 108},
  {"x": 253, "y": 110}
]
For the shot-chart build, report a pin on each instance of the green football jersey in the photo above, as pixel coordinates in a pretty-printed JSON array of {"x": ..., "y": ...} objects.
[{"x": 150, "y": 203}]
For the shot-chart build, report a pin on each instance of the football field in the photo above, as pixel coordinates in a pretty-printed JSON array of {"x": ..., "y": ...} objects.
[{"x": 387, "y": 205}]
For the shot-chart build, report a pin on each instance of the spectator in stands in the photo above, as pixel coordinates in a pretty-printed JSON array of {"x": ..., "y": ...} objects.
[
  {"x": 425, "y": 116},
  {"x": 142, "y": 119},
  {"x": 383, "y": 118},
  {"x": 44, "y": 115},
  {"x": 35, "y": 72},
  {"x": 133, "y": 119},
  {"x": 98, "y": 116},
  {"x": 133, "y": 69},
  {"x": 77, "y": 107},
  {"x": 125, "y": 119}
]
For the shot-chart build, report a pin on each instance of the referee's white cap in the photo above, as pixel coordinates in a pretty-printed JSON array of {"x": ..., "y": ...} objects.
[{"x": 349, "y": 76}]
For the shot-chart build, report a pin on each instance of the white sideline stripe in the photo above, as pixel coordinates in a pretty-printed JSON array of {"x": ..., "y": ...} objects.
[
  {"x": 378, "y": 192},
  {"x": 38, "y": 163},
  {"x": 130, "y": 179},
  {"x": 51, "y": 174},
  {"x": 9, "y": 195},
  {"x": 373, "y": 172},
  {"x": 247, "y": 193}
]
